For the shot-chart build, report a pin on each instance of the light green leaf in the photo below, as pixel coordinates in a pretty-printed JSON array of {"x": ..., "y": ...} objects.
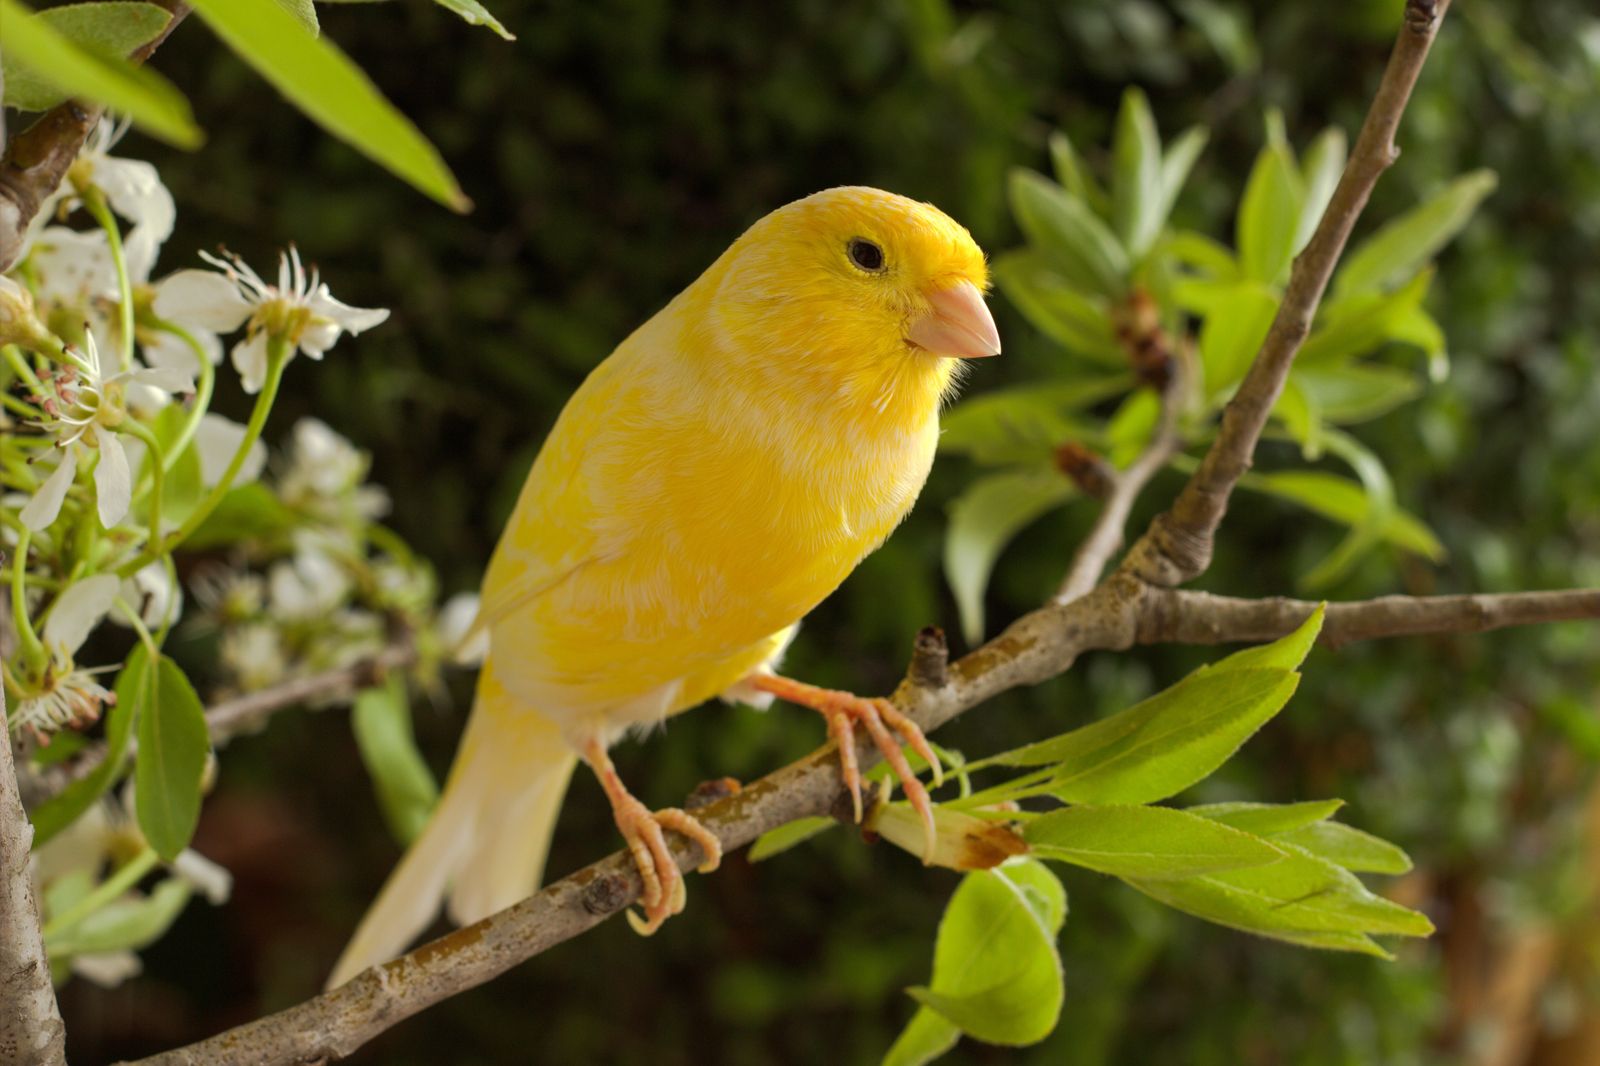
[
  {"x": 1269, "y": 215},
  {"x": 996, "y": 973},
  {"x": 1349, "y": 847},
  {"x": 1175, "y": 166},
  {"x": 1205, "y": 254},
  {"x": 1346, "y": 395},
  {"x": 248, "y": 513},
  {"x": 1288, "y": 652},
  {"x": 1236, "y": 322},
  {"x": 1401, "y": 247},
  {"x": 1301, "y": 899},
  {"x": 135, "y": 686},
  {"x": 781, "y": 839},
  {"x": 1136, "y": 174},
  {"x": 109, "y": 30},
  {"x": 1357, "y": 324},
  {"x": 173, "y": 744},
  {"x": 406, "y": 789},
  {"x": 126, "y": 924},
  {"x": 926, "y": 1037},
  {"x": 1057, "y": 308},
  {"x": 1027, "y": 422},
  {"x": 1417, "y": 328},
  {"x": 1069, "y": 233},
  {"x": 1376, "y": 516},
  {"x": 1131, "y": 426},
  {"x": 983, "y": 519},
  {"x": 1342, "y": 500},
  {"x": 305, "y": 12},
  {"x": 1324, "y": 164},
  {"x": 1150, "y": 842},
  {"x": 1041, "y": 890},
  {"x": 1269, "y": 819},
  {"x": 321, "y": 81},
  {"x": 1074, "y": 176},
  {"x": 476, "y": 14},
  {"x": 143, "y": 95}
]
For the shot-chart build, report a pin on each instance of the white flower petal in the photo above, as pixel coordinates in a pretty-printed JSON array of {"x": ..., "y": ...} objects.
[
  {"x": 73, "y": 266},
  {"x": 202, "y": 299},
  {"x": 351, "y": 319},
  {"x": 163, "y": 378},
  {"x": 250, "y": 360},
  {"x": 456, "y": 619},
  {"x": 319, "y": 335},
  {"x": 108, "y": 969},
  {"x": 217, "y": 439},
  {"x": 78, "y": 610},
  {"x": 151, "y": 592},
  {"x": 113, "y": 485},
  {"x": 213, "y": 881},
  {"x": 46, "y": 503},
  {"x": 135, "y": 191}
]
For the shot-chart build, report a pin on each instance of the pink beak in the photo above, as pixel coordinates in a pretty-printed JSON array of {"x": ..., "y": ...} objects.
[{"x": 957, "y": 325}]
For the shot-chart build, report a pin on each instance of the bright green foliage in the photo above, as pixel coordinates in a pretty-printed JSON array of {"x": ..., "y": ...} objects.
[
  {"x": 985, "y": 517},
  {"x": 405, "y": 786},
  {"x": 173, "y": 745},
  {"x": 1269, "y": 215},
  {"x": 1149, "y": 842},
  {"x": 107, "y": 30},
  {"x": 126, "y": 924}
]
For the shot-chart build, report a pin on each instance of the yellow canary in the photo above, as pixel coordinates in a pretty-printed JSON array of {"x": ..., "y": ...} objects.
[{"x": 708, "y": 485}]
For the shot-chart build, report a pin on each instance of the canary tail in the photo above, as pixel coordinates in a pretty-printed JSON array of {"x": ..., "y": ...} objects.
[{"x": 487, "y": 839}]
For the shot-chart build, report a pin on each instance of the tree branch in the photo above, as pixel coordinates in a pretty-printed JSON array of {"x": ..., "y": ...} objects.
[
  {"x": 37, "y": 159},
  {"x": 31, "y": 1033},
  {"x": 1177, "y": 547}
]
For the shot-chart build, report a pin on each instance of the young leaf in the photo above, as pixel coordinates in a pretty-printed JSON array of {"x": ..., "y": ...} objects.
[
  {"x": 321, "y": 81},
  {"x": 1136, "y": 174},
  {"x": 1356, "y": 324},
  {"x": 1269, "y": 215},
  {"x": 1269, "y": 819},
  {"x": 1069, "y": 233},
  {"x": 996, "y": 973},
  {"x": 1346, "y": 395},
  {"x": 305, "y": 12},
  {"x": 1349, "y": 847},
  {"x": 926, "y": 1037},
  {"x": 1210, "y": 257},
  {"x": 1175, "y": 166},
  {"x": 1288, "y": 652},
  {"x": 1057, "y": 309},
  {"x": 1149, "y": 842},
  {"x": 1131, "y": 426},
  {"x": 110, "y": 30},
  {"x": 143, "y": 95},
  {"x": 983, "y": 519},
  {"x": 776, "y": 841},
  {"x": 173, "y": 743},
  {"x": 1236, "y": 322},
  {"x": 126, "y": 924},
  {"x": 1401, "y": 247},
  {"x": 1342, "y": 500},
  {"x": 1377, "y": 515},
  {"x": 1025, "y": 423},
  {"x": 476, "y": 14},
  {"x": 1073, "y": 175},
  {"x": 135, "y": 687},
  {"x": 1324, "y": 164},
  {"x": 249, "y": 513},
  {"x": 405, "y": 785}
]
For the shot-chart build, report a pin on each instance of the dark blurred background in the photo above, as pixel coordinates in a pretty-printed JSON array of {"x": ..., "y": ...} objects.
[{"x": 612, "y": 151}]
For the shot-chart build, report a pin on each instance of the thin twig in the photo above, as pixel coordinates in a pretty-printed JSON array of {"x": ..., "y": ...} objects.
[
  {"x": 1177, "y": 547},
  {"x": 31, "y": 1033},
  {"x": 37, "y": 159}
]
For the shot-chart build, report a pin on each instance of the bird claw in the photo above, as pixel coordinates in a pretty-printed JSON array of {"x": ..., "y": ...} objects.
[{"x": 665, "y": 893}]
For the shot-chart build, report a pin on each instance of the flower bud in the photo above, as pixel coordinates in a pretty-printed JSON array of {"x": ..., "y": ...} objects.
[
  {"x": 19, "y": 321},
  {"x": 962, "y": 841}
]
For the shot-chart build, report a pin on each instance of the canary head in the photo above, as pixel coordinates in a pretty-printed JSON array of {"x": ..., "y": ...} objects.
[{"x": 858, "y": 291}]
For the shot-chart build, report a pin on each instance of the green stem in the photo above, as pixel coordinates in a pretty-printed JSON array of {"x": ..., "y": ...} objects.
[
  {"x": 202, "y": 403},
  {"x": 158, "y": 470},
  {"x": 24, "y": 371},
  {"x": 277, "y": 357},
  {"x": 95, "y": 201},
  {"x": 142, "y": 631},
  {"x": 33, "y": 652},
  {"x": 109, "y": 890}
]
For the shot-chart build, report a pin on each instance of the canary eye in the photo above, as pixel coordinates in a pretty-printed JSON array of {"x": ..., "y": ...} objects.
[{"x": 865, "y": 254}]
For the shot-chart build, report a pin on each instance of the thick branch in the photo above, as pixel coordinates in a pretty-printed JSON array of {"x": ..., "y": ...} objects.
[
  {"x": 31, "y": 1033},
  {"x": 1177, "y": 548},
  {"x": 1183, "y": 616},
  {"x": 37, "y": 159}
]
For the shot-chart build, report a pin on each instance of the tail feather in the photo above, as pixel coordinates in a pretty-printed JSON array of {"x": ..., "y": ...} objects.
[{"x": 487, "y": 839}]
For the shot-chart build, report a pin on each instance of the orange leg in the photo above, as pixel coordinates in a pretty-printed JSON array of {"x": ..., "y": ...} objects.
[
  {"x": 843, "y": 710},
  {"x": 642, "y": 828}
]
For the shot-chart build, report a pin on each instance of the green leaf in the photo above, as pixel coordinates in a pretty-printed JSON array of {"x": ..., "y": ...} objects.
[
  {"x": 1269, "y": 819},
  {"x": 1175, "y": 166},
  {"x": 173, "y": 744},
  {"x": 1288, "y": 652},
  {"x": 1346, "y": 395},
  {"x": 477, "y": 15},
  {"x": 135, "y": 686},
  {"x": 1401, "y": 247},
  {"x": 126, "y": 924},
  {"x": 1376, "y": 516},
  {"x": 406, "y": 789},
  {"x": 1027, "y": 422},
  {"x": 996, "y": 973},
  {"x": 1324, "y": 165},
  {"x": 321, "y": 81},
  {"x": 1041, "y": 890},
  {"x": 1131, "y": 426},
  {"x": 1302, "y": 899},
  {"x": 1269, "y": 215},
  {"x": 250, "y": 513},
  {"x": 143, "y": 95},
  {"x": 305, "y": 12},
  {"x": 1069, "y": 233},
  {"x": 1357, "y": 324},
  {"x": 1349, "y": 847},
  {"x": 1211, "y": 257},
  {"x": 1237, "y": 319},
  {"x": 926, "y": 1037},
  {"x": 1073, "y": 175},
  {"x": 1149, "y": 842},
  {"x": 1058, "y": 309},
  {"x": 108, "y": 30},
  {"x": 1136, "y": 174},
  {"x": 786, "y": 836},
  {"x": 983, "y": 519},
  {"x": 1342, "y": 500}
]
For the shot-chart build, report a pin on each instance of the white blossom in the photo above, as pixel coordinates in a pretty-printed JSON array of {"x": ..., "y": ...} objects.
[
  {"x": 456, "y": 621},
  {"x": 325, "y": 475},
  {"x": 153, "y": 595},
  {"x": 255, "y": 656},
  {"x": 298, "y": 309},
  {"x": 69, "y": 695},
  {"x": 133, "y": 189}
]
